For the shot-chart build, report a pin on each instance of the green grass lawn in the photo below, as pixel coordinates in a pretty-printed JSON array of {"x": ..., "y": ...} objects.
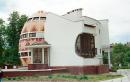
[{"x": 65, "y": 77}]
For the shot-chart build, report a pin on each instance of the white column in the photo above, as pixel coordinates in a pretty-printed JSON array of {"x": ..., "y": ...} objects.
[
  {"x": 28, "y": 53},
  {"x": 101, "y": 56},
  {"x": 109, "y": 59},
  {"x": 31, "y": 55},
  {"x": 42, "y": 55},
  {"x": 48, "y": 56}
]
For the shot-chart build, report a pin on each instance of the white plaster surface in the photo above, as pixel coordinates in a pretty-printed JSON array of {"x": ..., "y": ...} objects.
[{"x": 61, "y": 34}]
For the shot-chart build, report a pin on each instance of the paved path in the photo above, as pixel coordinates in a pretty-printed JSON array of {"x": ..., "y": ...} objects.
[
  {"x": 124, "y": 72},
  {"x": 47, "y": 81}
]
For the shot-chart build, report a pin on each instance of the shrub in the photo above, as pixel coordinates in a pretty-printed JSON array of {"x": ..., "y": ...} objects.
[{"x": 50, "y": 76}]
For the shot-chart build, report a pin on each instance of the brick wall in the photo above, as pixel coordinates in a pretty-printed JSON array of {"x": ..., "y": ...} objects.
[
  {"x": 85, "y": 69},
  {"x": 37, "y": 66},
  {"x": 61, "y": 69},
  {"x": 30, "y": 73}
]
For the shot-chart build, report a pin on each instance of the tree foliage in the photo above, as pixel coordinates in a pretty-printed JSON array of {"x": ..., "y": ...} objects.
[
  {"x": 1, "y": 40},
  {"x": 11, "y": 34},
  {"x": 120, "y": 55}
]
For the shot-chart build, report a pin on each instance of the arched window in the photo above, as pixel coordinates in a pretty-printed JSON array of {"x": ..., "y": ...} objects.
[{"x": 85, "y": 45}]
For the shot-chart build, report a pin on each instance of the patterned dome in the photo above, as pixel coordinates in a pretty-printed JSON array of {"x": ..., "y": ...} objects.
[{"x": 35, "y": 22}]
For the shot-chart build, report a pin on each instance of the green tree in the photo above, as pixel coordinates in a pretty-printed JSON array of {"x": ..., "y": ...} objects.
[
  {"x": 1, "y": 36},
  {"x": 12, "y": 34},
  {"x": 1, "y": 41},
  {"x": 120, "y": 55}
]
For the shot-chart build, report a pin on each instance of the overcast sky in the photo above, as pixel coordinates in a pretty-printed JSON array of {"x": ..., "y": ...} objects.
[{"x": 116, "y": 11}]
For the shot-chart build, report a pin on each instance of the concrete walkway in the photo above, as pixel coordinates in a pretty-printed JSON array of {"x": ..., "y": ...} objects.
[
  {"x": 125, "y": 73},
  {"x": 48, "y": 81}
]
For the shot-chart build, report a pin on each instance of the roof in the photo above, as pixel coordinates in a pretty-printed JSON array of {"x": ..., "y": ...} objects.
[
  {"x": 39, "y": 14},
  {"x": 34, "y": 25}
]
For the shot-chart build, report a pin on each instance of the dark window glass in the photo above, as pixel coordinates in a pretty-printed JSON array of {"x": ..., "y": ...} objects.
[
  {"x": 32, "y": 35},
  {"x": 85, "y": 45},
  {"x": 36, "y": 18},
  {"x": 29, "y": 53},
  {"x": 29, "y": 19},
  {"x": 24, "y": 54},
  {"x": 24, "y": 35},
  {"x": 42, "y": 18}
]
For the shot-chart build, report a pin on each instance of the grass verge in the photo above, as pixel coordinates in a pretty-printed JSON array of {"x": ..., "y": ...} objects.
[{"x": 64, "y": 77}]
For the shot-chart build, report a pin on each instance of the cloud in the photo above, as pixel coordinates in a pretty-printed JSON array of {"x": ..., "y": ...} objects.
[
  {"x": 121, "y": 38},
  {"x": 117, "y": 11}
]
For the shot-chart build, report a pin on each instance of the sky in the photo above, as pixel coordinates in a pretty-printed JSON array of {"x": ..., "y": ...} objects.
[{"x": 116, "y": 11}]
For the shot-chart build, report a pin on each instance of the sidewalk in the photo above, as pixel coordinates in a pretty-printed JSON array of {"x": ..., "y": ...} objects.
[
  {"x": 48, "y": 81},
  {"x": 122, "y": 79},
  {"x": 125, "y": 73}
]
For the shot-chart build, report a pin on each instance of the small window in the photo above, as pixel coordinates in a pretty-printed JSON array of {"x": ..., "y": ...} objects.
[
  {"x": 32, "y": 35},
  {"x": 24, "y": 54},
  {"x": 99, "y": 31},
  {"x": 36, "y": 18},
  {"x": 42, "y": 18},
  {"x": 29, "y": 53},
  {"x": 24, "y": 35},
  {"x": 29, "y": 19}
]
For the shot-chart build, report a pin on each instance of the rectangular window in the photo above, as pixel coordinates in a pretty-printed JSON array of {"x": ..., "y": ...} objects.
[
  {"x": 24, "y": 54},
  {"x": 36, "y": 18},
  {"x": 32, "y": 35},
  {"x": 24, "y": 35},
  {"x": 29, "y": 19},
  {"x": 42, "y": 18}
]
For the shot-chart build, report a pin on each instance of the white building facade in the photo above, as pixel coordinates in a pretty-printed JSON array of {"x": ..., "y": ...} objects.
[{"x": 67, "y": 41}]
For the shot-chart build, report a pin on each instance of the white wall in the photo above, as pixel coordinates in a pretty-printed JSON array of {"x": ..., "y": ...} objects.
[
  {"x": 104, "y": 33},
  {"x": 62, "y": 34},
  {"x": 95, "y": 31},
  {"x": 74, "y": 15}
]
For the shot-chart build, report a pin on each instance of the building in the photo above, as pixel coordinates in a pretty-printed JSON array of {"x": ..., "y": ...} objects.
[{"x": 70, "y": 41}]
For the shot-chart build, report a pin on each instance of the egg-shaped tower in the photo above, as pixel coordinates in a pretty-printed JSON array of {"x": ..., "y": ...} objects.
[{"x": 32, "y": 32}]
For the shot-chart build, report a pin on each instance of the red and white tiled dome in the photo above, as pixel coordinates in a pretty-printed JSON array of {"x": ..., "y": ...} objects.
[
  {"x": 35, "y": 22},
  {"x": 32, "y": 32}
]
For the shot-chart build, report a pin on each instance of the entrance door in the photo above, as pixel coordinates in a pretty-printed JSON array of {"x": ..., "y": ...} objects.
[{"x": 37, "y": 55}]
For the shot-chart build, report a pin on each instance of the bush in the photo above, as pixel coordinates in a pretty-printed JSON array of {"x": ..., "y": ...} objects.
[
  {"x": 82, "y": 77},
  {"x": 50, "y": 76},
  {"x": 114, "y": 68}
]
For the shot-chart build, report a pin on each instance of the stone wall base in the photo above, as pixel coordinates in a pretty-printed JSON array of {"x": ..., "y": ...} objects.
[
  {"x": 85, "y": 69},
  {"x": 37, "y": 66}
]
